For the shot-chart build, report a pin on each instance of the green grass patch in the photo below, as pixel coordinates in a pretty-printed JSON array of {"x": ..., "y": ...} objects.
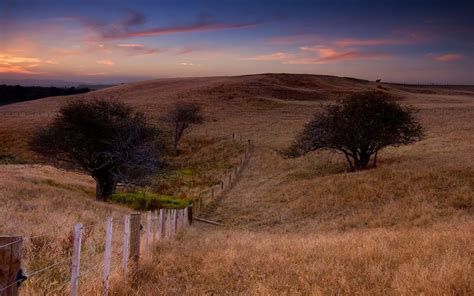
[{"x": 148, "y": 201}]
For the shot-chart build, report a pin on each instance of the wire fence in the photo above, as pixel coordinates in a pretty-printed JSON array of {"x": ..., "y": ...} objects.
[
  {"x": 85, "y": 258},
  {"x": 60, "y": 262}
]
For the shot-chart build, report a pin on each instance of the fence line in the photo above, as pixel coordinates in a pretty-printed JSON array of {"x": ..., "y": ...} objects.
[
  {"x": 227, "y": 181},
  {"x": 130, "y": 250},
  {"x": 160, "y": 226}
]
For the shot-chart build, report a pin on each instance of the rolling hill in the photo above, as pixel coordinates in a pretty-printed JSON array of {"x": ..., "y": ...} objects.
[{"x": 300, "y": 226}]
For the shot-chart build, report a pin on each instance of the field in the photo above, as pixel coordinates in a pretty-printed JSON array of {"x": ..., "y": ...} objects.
[{"x": 292, "y": 226}]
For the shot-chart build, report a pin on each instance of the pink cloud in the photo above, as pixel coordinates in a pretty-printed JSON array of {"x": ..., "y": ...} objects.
[
  {"x": 134, "y": 49},
  {"x": 277, "y": 56},
  {"x": 370, "y": 42},
  {"x": 126, "y": 27},
  {"x": 198, "y": 27},
  {"x": 448, "y": 57},
  {"x": 326, "y": 54},
  {"x": 130, "y": 45}
]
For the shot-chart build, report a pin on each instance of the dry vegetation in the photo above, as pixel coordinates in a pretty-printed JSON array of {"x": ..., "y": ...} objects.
[{"x": 301, "y": 226}]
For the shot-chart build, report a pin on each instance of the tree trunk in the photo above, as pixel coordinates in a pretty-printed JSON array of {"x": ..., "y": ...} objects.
[
  {"x": 363, "y": 161},
  {"x": 105, "y": 186}
]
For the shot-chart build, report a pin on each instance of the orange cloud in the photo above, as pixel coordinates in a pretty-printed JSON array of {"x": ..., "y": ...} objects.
[
  {"x": 106, "y": 62},
  {"x": 448, "y": 57},
  {"x": 18, "y": 64},
  {"x": 15, "y": 70}
]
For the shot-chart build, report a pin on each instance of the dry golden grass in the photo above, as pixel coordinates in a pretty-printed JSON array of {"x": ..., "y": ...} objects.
[
  {"x": 301, "y": 226},
  {"x": 45, "y": 203},
  {"x": 438, "y": 261}
]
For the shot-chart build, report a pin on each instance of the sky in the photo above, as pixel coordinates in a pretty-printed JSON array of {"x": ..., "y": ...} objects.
[{"x": 121, "y": 41}]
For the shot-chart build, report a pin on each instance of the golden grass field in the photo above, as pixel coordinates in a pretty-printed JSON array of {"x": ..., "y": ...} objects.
[{"x": 292, "y": 226}]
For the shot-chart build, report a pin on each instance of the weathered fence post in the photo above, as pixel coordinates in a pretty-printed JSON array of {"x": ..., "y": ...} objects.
[
  {"x": 135, "y": 220},
  {"x": 148, "y": 231},
  {"x": 169, "y": 223},
  {"x": 162, "y": 224},
  {"x": 186, "y": 216},
  {"x": 190, "y": 214},
  {"x": 155, "y": 228},
  {"x": 174, "y": 217},
  {"x": 76, "y": 259},
  {"x": 126, "y": 246},
  {"x": 107, "y": 253},
  {"x": 10, "y": 261}
]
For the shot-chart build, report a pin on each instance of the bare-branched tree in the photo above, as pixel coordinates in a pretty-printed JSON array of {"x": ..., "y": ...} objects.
[
  {"x": 180, "y": 118},
  {"x": 104, "y": 138},
  {"x": 359, "y": 127}
]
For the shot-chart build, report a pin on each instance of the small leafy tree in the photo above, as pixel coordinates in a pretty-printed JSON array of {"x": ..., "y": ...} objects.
[
  {"x": 180, "y": 118},
  {"x": 106, "y": 139},
  {"x": 359, "y": 127}
]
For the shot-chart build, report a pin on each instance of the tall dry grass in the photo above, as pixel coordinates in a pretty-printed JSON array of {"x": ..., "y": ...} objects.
[
  {"x": 436, "y": 261},
  {"x": 302, "y": 226}
]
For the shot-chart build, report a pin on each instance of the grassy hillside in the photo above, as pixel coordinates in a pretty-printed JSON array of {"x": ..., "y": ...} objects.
[{"x": 303, "y": 225}]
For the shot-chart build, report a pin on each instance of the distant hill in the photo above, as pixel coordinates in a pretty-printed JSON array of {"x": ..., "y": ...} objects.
[
  {"x": 15, "y": 93},
  {"x": 39, "y": 82},
  {"x": 95, "y": 86}
]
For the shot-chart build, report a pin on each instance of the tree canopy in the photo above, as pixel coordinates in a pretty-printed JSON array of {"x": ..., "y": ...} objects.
[
  {"x": 107, "y": 139},
  {"x": 359, "y": 127}
]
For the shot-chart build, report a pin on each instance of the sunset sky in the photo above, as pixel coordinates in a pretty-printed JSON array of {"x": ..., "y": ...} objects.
[{"x": 119, "y": 41}]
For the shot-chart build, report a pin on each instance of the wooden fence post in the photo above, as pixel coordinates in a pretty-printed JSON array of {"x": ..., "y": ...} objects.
[
  {"x": 174, "y": 222},
  {"x": 148, "y": 231},
  {"x": 76, "y": 259},
  {"x": 10, "y": 261},
  {"x": 162, "y": 224},
  {"x": 186, "y": 216},
  {"x": 155, "y": 228},
  {"x": 169, "y": 223},
  {"x": 190, "y": 214},
  {"x": 135, "y": 220},
  {"x": 126, "y": 246},
  {"x": 107, "y": 253}
]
